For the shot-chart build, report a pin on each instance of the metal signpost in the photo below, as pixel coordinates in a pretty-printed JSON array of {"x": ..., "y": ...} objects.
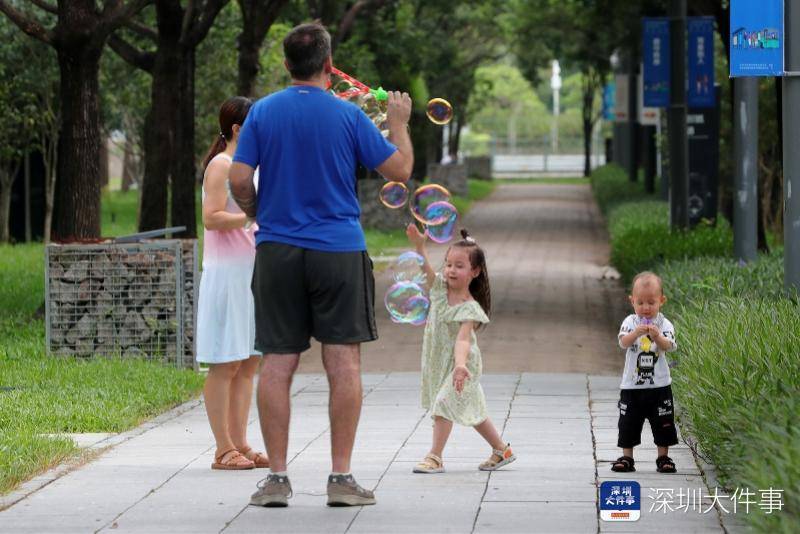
[
  {"x": 791, "y": 154},
  {"x": 676, "y": 119},
  {"x": 765, "y": 41}
]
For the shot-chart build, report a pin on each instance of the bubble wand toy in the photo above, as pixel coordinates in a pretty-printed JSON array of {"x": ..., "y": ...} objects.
[{"x": 372, "y": 101}]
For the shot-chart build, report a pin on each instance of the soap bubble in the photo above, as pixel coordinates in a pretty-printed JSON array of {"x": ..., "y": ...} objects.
[
  {"x": 394, "y": 195},
  {"x": 439, "y": 111},
  {"x": 408, "y": 268},
  {"x": 406, "y": 303},
  {"x": 424, "y": 197},
  {"x": 445, "y": 215}
]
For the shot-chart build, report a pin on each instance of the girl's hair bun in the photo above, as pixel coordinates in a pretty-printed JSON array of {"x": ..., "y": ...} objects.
[{"x": 466, "y": 237}]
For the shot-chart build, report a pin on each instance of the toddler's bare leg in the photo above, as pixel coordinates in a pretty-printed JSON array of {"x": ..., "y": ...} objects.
[
  {"x": 441, "y": 431},
  {"x": 629, "y": 452},
  {"x": 490, "y": 434},
  {"x": 663, "y": 451}
]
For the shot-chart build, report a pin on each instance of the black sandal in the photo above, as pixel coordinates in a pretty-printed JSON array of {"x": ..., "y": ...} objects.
[
  {"x": 664, "y": 464},
  {"x": 624, "y": 464}
]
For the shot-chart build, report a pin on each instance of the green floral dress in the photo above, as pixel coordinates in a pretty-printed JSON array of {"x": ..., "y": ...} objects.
[{"x": 438, "y": 394}]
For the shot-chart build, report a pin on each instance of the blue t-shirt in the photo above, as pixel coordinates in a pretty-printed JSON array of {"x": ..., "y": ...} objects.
[{"x": 307, "y": 144}]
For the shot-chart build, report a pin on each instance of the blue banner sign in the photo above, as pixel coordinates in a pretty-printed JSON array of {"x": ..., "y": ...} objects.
[
  {"x": 700, "y": 92},
  {"x": 757, "y": 37},
  {"x": 656, "y": 64},
  {"x": 609, "y": 99}
]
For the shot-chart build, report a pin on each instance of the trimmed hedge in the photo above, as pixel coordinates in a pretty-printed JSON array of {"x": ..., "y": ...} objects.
[
  {"x": 612, "y": 187},
  {"x": 641, "y": 238}
]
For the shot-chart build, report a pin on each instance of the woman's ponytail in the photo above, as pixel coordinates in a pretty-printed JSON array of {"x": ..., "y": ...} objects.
[{"x": 233, "y": 111}]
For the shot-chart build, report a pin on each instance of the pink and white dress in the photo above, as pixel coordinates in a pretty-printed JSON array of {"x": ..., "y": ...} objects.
[{"x": 226, "y": 328}]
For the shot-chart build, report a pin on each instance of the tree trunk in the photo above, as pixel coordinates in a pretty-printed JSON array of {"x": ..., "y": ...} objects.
[
  {"x": 184, "y": 171},
  {"x": 104, "y": 171},
  {"x": 587, "y": 146},
  {"x": 128, "y": 172},
  {"x": 50, "y": 153},
  {"x": 248, "y": 64},
  {"x": 257, "y": 18},
  {"x": 587, "y": 111},
  {"x": 6, "y": 181},
  {"x": 159, "y": 131},
  {"x": 454, "y": 139},
  {"x": 78, "y": 213}
]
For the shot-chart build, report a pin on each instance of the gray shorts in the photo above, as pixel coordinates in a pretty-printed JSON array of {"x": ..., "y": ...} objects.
[{"x": 300, "y": 293}]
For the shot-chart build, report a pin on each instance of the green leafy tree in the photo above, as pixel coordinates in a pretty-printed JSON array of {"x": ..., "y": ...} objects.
[
  {"x": 169, "y": 137},
  {"x": 77, "y": 30}
]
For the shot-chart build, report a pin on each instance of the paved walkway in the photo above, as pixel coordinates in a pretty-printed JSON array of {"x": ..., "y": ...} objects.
[
  {"x": 547, "y": 250},
  {"x": 552, "y": 381},
  {"x": 561, "y": 427}
]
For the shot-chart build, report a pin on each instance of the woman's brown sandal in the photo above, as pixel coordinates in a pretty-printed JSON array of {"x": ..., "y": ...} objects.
[
  {"x": 259, "y": 458},
  {"x": 232, "y": 460}
]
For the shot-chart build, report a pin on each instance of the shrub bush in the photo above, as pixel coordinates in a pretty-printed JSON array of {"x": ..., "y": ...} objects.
[
  {"x": 641, "y": 238},
  {"x": 612, "y": 187}
]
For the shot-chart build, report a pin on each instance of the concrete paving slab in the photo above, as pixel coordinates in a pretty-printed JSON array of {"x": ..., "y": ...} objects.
[{"x": 535, "y": 517}]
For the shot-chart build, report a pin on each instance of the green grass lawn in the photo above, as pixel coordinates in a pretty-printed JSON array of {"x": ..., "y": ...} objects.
[{"x": 43, "y": 395}]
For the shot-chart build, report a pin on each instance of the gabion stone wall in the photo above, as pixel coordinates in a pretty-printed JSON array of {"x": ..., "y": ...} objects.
[
  {"x": 376, "y": 215},
  {"x": 479, "y": 167},
  {"x": 452, "y": 176},
  {"x": 122, "y": 300}
]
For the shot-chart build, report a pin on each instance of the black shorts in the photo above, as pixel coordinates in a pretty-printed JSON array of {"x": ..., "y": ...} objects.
[
  {"x": 301, "y": 293},
  {"x": 653, "y": 404}
]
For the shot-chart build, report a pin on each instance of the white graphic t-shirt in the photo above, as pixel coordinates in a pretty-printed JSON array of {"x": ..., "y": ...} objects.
[{"x": 645, "y": 364}]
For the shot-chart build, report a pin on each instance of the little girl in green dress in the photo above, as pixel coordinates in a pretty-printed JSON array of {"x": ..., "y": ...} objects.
[{"x": 460, "y": 302}]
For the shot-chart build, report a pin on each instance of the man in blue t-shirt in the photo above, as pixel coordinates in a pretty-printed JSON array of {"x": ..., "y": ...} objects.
[{"x": 312, "y": 275}]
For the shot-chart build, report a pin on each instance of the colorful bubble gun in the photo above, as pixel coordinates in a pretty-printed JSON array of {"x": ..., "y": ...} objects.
[{"x": 372, "y": 101}]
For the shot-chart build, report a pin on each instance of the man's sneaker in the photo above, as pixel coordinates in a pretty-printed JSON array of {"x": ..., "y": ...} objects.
[
  {"x": 343, "y": 490},
  {"x": 273, "y": 491}
]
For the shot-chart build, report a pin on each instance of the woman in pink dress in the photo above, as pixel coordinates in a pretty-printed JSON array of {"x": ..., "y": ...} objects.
[{"x": 225, "y": 315}]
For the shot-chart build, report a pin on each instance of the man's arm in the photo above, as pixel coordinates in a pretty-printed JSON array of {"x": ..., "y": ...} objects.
[
  {"x": 398, "y": 167},
  {"x": 242, "y": 188}
]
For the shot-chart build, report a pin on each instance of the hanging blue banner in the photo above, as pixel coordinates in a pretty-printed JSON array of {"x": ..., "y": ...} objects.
[
  {"x": 609, "y": 99},
  {"x": 700, "y": 92},
  {"x": 656, "y": 64},
  {"x": 757, "y": 37}
]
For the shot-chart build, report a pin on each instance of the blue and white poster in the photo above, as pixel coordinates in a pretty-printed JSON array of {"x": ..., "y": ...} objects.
[
  {"x": 620, "y": 500},
  {"x": 700, "y": 92},
  {"x": 757, "y": 37},
  {"x": 656, "y": 63}
]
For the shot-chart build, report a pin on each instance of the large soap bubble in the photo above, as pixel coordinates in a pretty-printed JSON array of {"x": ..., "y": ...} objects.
[
  {"x": 408, "y": 268},
  {"x": 394, "y": 195},
  {"x": 439, "y": 111},
  {"x": 423, "y": 198},
  {"x": 446, "y": 216},
  {"x": 407, "y": 303}
]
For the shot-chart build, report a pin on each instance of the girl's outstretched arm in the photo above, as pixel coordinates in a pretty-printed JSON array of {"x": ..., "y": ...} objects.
[
  {"x": 418, "y": 240},
  {"x": 460, "y": 354}
]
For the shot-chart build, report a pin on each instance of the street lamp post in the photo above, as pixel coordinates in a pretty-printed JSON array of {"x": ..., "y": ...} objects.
[{"x": 555, "y": 85}]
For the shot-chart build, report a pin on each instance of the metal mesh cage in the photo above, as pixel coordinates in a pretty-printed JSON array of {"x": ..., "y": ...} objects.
[{"x": 122, "y": 300}]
